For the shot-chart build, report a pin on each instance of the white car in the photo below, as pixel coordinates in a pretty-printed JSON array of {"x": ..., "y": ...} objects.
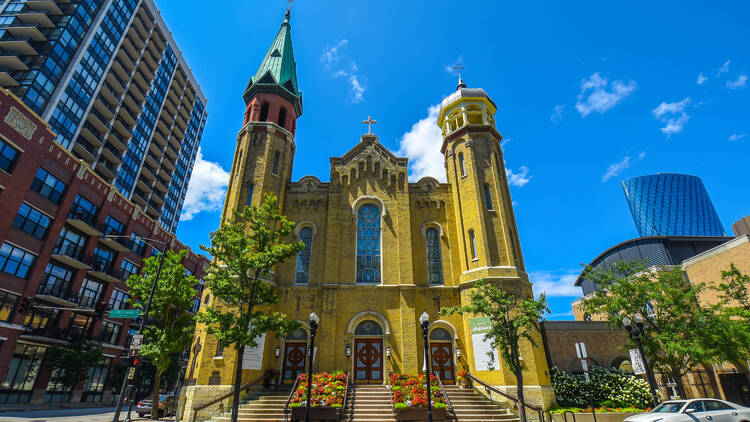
[{"x": 694, "y": 410}]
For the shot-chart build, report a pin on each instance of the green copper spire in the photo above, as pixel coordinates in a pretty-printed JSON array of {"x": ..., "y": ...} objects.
[{"x": 278, "y": 71}]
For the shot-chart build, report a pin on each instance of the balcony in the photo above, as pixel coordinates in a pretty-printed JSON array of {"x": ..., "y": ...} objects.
[
  {"x": 70, "y": 254},
  {"x": 120, "y": 244},
  {"x": 122, "y": 130},
  {"x": 106, "y": 170},
  {"x": 114, "y": 85},
  {"x": 56, "y": 290},
  {"x": 64, "y": 334},
  {"x": 111, "y": 153},
  {"x": 125, "y": 115},
  {"x": 125, "y": 60},
  {"x": 91, "y": 135},
  {"x": 84, "y": 221},
  {"x": 136, "y": 92},
  {"x": 104, "y": 270},
  {"x": 7, "y": 79},
  {"x": 100, "y": 123},
  {"x": 83, "y": 149},
  {"x": 22, "y": 45}
]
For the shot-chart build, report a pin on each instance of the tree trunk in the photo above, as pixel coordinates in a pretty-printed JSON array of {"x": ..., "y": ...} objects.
[
  {"x": 155, "y": 394},
  {"x": 237, "y": 384},
  {"x": 521, "y": 400}
]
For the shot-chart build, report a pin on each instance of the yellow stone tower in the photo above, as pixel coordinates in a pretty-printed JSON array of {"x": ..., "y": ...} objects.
[{"x": 379, "y": 250}]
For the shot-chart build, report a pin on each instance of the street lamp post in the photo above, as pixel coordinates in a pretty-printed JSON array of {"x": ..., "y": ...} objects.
[
  {"x": 635, "y": 331},
  {"x": 314, "y": 321},
  {"x": 424, "y": 320},
  {"x": 146, "y": 310}
]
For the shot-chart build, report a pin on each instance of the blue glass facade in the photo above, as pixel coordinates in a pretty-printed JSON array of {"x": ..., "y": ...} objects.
[{"x": 670, "y": 204}]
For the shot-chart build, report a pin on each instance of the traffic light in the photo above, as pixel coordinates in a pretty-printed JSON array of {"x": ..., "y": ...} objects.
[
  {"x": 100, "y": 308},
  {"x": 25, "y": 307},
  {"x": 134, "y": 361}
]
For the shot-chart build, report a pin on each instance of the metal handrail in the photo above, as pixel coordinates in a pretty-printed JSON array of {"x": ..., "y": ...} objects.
[
  {"x": 489, "y": 388},
  {"x": 346, "y": 394},
  {"x": 289, "y": 400},
  {"x": 447, "y": 399},
  {"x": 243, "y": 387}
]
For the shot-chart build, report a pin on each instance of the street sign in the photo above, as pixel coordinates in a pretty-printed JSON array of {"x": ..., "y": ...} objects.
[
  {"x": 137, "y": 341},
  {"x": 131, "y": 373},
  {"x": 639, "y": 367},
  {"x": 124, "y": 313}
]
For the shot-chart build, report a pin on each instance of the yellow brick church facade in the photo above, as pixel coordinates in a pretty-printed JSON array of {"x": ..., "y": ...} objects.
[{"x": 379, "y": 249}]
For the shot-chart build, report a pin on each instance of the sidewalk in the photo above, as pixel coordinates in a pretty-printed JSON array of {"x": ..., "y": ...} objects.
[{"x": 72, "y": 414}]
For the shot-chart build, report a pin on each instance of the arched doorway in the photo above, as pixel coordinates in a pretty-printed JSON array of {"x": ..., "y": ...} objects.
[
  {"x": 441, "y": 355},
  {"x": 368, "y": 353},
  {"x": 295, "y": 348}
]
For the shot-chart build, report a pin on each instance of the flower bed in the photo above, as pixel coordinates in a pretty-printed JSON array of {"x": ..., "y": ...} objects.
[
  {"x": 328, "y": 390},
  {"x": 410, "y": 391}
]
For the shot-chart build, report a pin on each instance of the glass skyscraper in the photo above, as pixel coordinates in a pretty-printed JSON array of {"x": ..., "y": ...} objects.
[
  {"x": 668, "y": 204},
  {"x": 108, "y": 77}
]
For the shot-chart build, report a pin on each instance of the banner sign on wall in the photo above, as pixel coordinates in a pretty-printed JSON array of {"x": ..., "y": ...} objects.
[
  {"x": 253, "y": 357},
  {"x": 483, "y": 348}
]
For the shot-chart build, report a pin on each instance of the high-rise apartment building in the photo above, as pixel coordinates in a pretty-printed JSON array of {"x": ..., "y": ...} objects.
[
  {"x": 669, "y": 204},
  {"x": 108, "y": 77}
]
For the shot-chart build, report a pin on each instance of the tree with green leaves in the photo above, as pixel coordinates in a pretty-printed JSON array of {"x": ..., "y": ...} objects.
[
  {"x": 70, "y": 363},
  {"x": 513, "y": 319},
  {"x": 679, "y": 333},
  {"x": 733, "y": 308},
  {"x": 245, "y": 249},
  {"x": 173, "y": 327}
]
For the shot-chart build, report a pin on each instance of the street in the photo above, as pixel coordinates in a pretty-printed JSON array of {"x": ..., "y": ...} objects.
[{"x": 99, "y": 414}]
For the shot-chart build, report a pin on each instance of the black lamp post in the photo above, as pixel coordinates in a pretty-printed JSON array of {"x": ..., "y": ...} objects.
[
  {"x": 314, "y": 320},
  {"x": 635, "y": 331},
  {"x": 424, "y": 321}
]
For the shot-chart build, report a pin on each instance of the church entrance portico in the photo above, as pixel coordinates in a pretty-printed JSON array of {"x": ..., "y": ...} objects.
[
  {"x": 295, "y": 352},
  {"x": 441, "y": 355},
  {"x": 368, "y": 353}
]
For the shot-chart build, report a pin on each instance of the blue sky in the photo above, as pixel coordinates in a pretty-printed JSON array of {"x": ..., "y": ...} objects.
[{"x": 589, "y": 93}]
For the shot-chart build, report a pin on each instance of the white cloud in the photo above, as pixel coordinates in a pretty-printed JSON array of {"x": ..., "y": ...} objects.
[
  {"x": 596, "y": 97},
  {"x": 724, "y": 68},
  {"x": 701, "y": 79},
  {"x": 555, "y": 283},
  {"x": 740, "y": 82},
  {"x": 615, "y": 169},
  {"x": 673, "y": 115},
  {"x": 557, "y": 115},
  {"x": 207, "y": 188},
  {"x": 736, "y": 137},
  {"x": 422, "y": 145},
  {"x": 339, "y": 65},
  {"x": 520, "y": 178}
]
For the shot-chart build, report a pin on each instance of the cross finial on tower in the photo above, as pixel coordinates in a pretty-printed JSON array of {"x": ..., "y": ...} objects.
[
  {"x": 288, "y": 10},
  {"x": 369, "y": 122},
  {"x": 458, "y": 68}
]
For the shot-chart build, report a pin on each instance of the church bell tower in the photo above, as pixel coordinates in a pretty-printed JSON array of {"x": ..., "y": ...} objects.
[{"x": 265, "y": 145}]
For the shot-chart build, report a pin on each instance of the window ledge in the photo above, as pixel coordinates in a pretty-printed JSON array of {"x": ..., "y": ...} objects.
[{"x": 474, "y": 259}]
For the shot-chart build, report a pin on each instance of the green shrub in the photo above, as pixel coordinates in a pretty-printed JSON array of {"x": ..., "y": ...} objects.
[
  {"x": 608, "y": 388},
  {"x": 439, "y": 405},
  {"x": 295, "y": 404},
  {"x": 335, "y": 405},
  {"x": 399, "y": 406}
]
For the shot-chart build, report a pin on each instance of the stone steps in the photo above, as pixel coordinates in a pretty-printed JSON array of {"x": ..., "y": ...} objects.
[{"x": 469, "y": 405}]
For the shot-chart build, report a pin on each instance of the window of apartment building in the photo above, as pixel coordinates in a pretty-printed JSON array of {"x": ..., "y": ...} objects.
[
  {"x": 48, "y": 186},
  {"x": 70, "y": 243},
  {"x": 8, "y": 157},
  {"x": 119, "y": 299},
  {"x": 104, "y": 257},
  {"x": 93, "y": 388},
  {"x": 15, "y": 261},
  {"x": 128, "y": 269},
  {"x": 22, "y": 372},
  {"x": 276, "y": 160},
  {"x": 83, "y": 209},
  {"x": 91, "y": 291},
  {"x": 8, "y": 302},
  {"x": 113, "y": 227},
  {"x": 110, "y": 332},
  {"x": 138, "y": 245},
  {"x": 39, "y": 318},
  {"x": 56, "y": 280},
  {"x": 56, "y": 391},
  {"x": 80, "y": 324},
  {"x": 32, "y": 221},
  {"x": 488, "y": 197}
]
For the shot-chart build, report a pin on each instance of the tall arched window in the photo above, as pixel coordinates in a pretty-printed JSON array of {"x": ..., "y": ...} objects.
[
  {"x": 461, "y": 163},
  {"x": 434, "y": 262},
  {"x": 282, "y": 117},
  {"x": 368, "y": 244},
  {"x": 473, "y": 241},
  {"x": 303, "y": 256},
  {"x": 264, "y": 112}
]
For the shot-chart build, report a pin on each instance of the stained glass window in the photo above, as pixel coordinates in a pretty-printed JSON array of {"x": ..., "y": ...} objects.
[
  {"x": 439, "y": 334},
  {"x": 303, "y": 256},
  {"x": 473, "y": 241},
  {"x": 368, "y": 244},
  {"x": 368, "y": 328},
  {"x": 434, "y": 264}
]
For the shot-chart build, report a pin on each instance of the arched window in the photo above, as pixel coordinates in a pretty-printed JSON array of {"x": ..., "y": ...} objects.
[
  {"x": 368, "y": 244},
  {"x": 368, "y": 328},
  {"x": 434, "y": 262},
  {"x": 263, "y": 112},
  {"x": 297, "y": 335},
  {"x": 473, "y": 241},
  {"x": 488, "y": 197},
  {"x": 440, "y": 334},
  {"x": 461, "y": 163},
  {"x": 282, "y": 117},
  {"x": 303, "y": 256},
  {"x": 276, "y": 160},
  {"x": 250, "y": 195}
]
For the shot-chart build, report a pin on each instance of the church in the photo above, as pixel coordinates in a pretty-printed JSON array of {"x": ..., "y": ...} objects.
[{"x": 379, "y": 250}]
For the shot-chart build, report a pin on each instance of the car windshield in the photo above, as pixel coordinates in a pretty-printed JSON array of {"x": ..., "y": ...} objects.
[
  {"x": 669, "y": 407},
  {"x": 163, "y": 397}
]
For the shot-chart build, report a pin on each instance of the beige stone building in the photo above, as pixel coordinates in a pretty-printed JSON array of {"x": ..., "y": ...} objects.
[{"x": 380, "y": 250}]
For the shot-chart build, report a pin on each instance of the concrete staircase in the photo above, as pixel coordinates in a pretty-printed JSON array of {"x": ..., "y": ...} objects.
[
  {"x": 469, "y": 405},
  {"x": 369, "y": 403},
  {"x": 268, "y": 406}
]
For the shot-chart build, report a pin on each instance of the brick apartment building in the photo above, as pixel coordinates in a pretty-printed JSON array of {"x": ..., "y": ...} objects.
[{"x": 58, "y": 220}]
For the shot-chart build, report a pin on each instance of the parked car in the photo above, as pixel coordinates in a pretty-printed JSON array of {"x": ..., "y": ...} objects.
[
  {"x": 694, "y": 410},
  {"x": 167, "y": 406}
]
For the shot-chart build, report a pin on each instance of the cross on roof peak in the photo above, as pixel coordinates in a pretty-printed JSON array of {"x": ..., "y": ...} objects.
[{"x": 369, "y": 122}]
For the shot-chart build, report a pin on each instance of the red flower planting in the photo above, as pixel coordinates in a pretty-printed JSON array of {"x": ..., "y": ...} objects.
[
  {"x": 328, "y": 389},
  {"x": 410, "y": 390}
]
